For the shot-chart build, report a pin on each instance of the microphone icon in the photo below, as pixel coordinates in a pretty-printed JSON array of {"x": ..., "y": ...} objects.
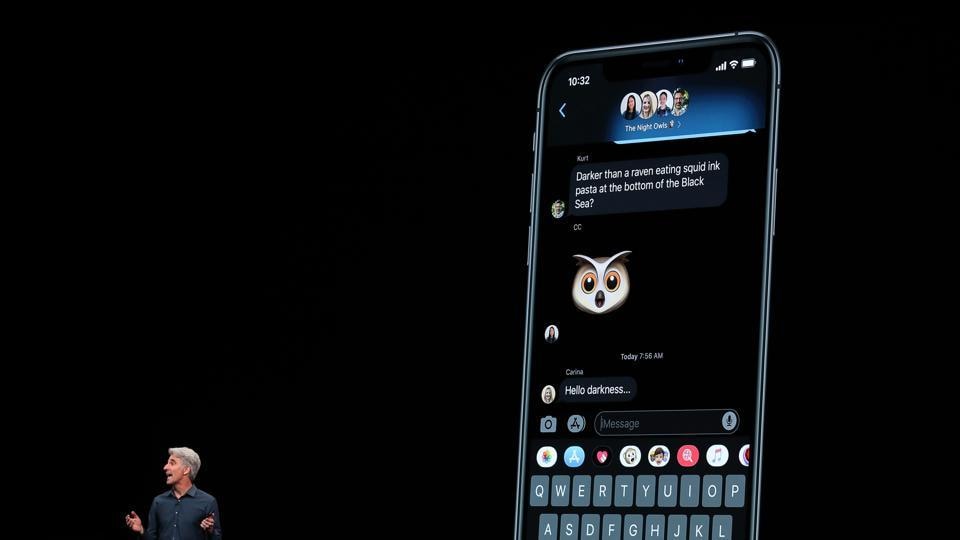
[{"x": 729, "y": 420}]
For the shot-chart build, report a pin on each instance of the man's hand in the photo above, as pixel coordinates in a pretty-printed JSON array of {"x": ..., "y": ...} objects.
[
  {"x": 134, "y": 523},
  {"x": 207, "y": 523}
]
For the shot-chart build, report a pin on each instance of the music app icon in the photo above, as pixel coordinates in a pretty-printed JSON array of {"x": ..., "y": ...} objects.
[{"x": 717, "y": 455}]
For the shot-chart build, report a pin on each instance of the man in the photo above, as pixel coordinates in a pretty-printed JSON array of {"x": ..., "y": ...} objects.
[
  {"x": 557, "y": 209},
  {"x": 184, "y": 512},
  {"x": 679, "y": 101},
  {"x": 662, "y": 109}
]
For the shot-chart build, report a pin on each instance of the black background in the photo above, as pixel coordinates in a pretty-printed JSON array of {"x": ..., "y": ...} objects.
[{"x": 306, "y": 260}]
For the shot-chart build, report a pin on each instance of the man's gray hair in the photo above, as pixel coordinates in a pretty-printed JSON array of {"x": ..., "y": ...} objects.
[{"x": 189, "y": 458}]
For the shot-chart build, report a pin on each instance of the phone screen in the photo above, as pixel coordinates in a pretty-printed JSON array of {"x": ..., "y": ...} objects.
[{"x": 646, "y": 325}]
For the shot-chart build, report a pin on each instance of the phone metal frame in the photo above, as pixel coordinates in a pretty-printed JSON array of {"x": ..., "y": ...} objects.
[{"x": 769, "y": 232}]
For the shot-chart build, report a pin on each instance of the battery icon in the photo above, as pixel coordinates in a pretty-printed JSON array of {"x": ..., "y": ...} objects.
[{"x": 748, "y": 63}]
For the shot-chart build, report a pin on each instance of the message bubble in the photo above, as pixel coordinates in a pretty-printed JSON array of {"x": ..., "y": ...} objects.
[
  {"x": 647, "y": 185},
  {"x": 594, "y": 389}
]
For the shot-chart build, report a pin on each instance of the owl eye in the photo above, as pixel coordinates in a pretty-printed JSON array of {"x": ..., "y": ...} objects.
[
  {"x": 612, "y": 281},
  {"x": 588, "y": 282}
]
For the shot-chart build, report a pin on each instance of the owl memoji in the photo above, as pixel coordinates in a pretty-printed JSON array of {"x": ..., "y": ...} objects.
[{"x": 601, "y": 284}]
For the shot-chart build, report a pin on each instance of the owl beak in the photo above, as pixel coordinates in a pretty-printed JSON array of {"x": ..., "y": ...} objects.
[{"x": 599, "y": 299}]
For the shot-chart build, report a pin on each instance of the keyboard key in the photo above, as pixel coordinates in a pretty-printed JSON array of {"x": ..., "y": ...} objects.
[
  {"x": 689, "y": 491},
  {"x": 722, "y": 528},
  {"x": 633, "y": 526},
  {"x": 548, "y": 527},
  {"x": 699, "y": 527},
  {"x": 539, "y": 490},
  {"x": 602, "y": 490},
  {"x": 611, "y": 527},
  {"x": 623, "y": 484},
  {"x": 655, "y": 527},
  {"x": 677, "y": 528},
  {"x": 561, "y": 490},
  {"x": 667, "y": 495},
  {"x": 735, "y": 491},
  {"x": 580, "y": 491},
  {"x": 712, "y": 490},
  {"x": 569, "y": 526},
  {"x": 590, "y": 527},
  {"x": 646, "y": 490}
]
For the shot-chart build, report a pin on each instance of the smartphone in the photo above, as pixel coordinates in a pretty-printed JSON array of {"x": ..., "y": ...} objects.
[{"x": 652, "y": 224}]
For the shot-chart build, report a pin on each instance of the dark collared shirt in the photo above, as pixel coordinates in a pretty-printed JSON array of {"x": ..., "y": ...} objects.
[{"x": 179, "y": 519}]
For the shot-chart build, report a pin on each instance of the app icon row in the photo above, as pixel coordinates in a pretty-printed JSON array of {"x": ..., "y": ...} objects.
[{"x": 659, "y": 455}]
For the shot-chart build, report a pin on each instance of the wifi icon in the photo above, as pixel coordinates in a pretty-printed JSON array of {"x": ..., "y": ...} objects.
[{"x": 733, "y": 64}]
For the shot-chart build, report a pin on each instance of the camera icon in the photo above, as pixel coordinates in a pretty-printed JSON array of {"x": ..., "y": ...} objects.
[{"x": 548, "y": 424}]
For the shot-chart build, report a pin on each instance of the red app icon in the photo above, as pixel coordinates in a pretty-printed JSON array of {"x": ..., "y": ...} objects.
[
  {"x": 601, "y": 455},
  {"x": 688, "y": 455}
]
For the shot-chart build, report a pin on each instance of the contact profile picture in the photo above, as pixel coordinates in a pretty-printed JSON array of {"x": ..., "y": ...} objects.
[
  {"x": 629, "y": 106},
  {"x": 681, "y": 99},
  {"x": 664, "y": 102},
  {"x": 551, "y": 334},
  {"x": 648, "y": 105},
  {"x": 557, "y": 209},
  {"x": 548, "y": 394}
]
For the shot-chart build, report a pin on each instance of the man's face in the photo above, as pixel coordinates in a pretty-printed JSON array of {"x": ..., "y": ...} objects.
[
  {"x": 175, "y": 470},
  {"x": 663, "y": 101},
  {"x": 678, "y": 101}
]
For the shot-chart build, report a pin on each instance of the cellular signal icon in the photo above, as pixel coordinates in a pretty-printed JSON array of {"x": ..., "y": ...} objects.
[{"x": 721, "y": 67}]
